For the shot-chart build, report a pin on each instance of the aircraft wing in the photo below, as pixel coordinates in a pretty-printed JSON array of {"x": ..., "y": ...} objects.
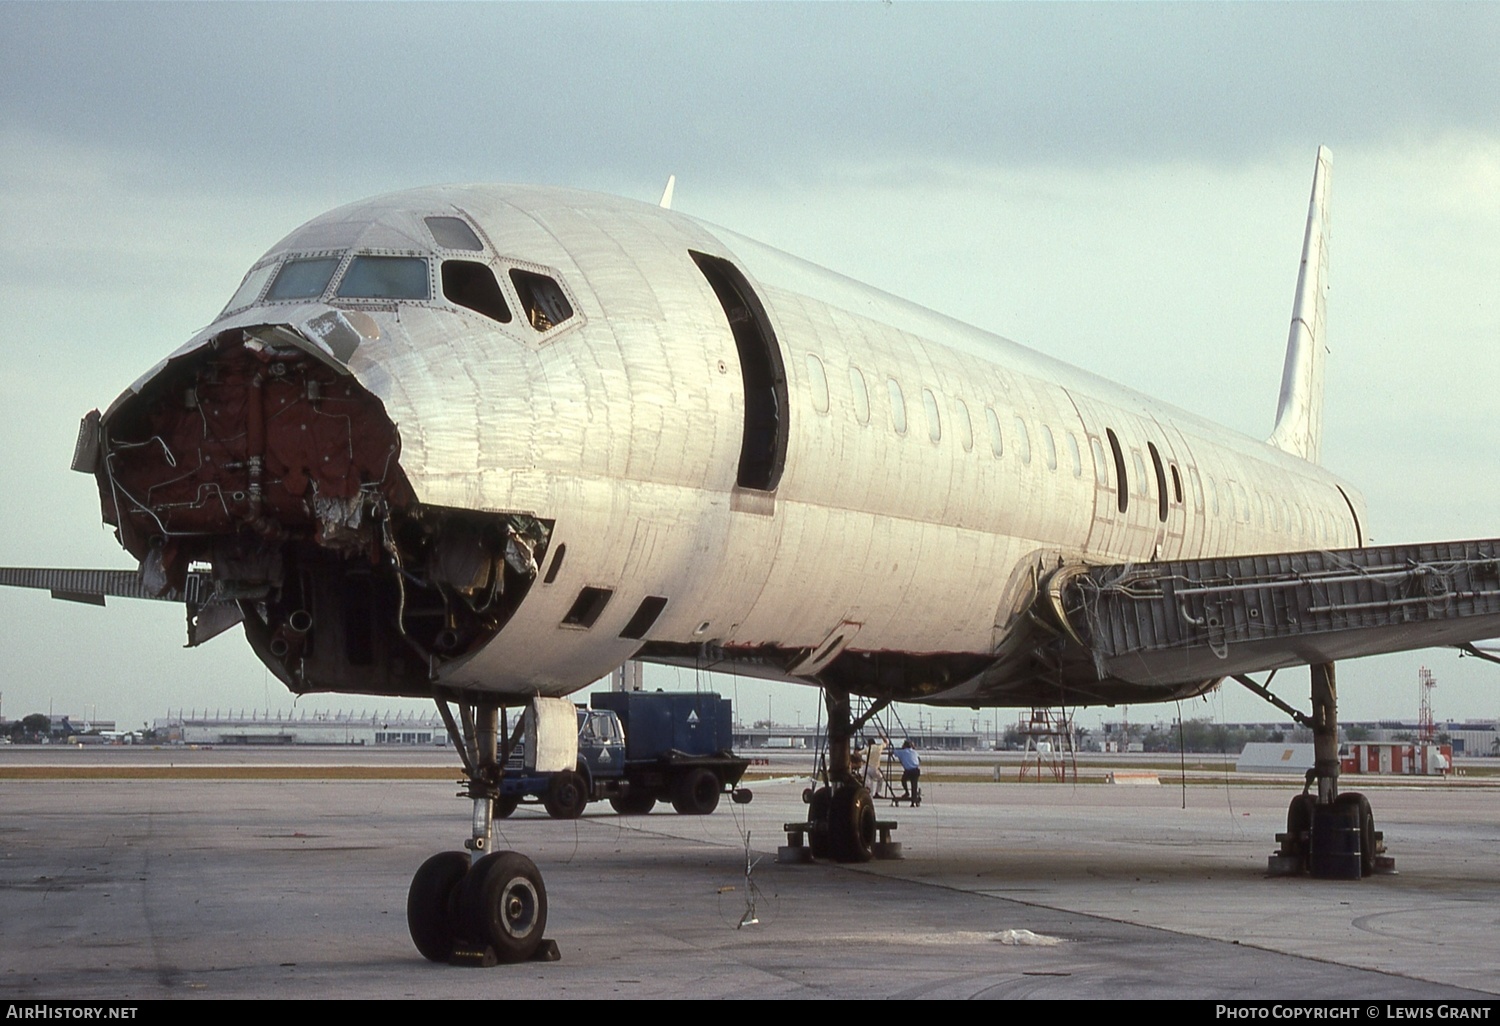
[
  {"x": 1173, "y": 622},
  {"x": 208, "y": 614}
]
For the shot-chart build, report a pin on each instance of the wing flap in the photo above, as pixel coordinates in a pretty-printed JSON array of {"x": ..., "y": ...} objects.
[{"x": 1191, "y": 620}]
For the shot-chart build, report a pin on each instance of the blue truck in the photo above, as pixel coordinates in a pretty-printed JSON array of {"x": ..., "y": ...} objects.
[{"x": 636, "y": 748}]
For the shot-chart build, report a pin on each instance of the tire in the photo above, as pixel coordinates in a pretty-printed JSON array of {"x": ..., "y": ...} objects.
[
  {"x": 567, "y": 796},
  {"x": 1299, "y": 817},
  {"x": 817, "y": 817},
  {"x": 1366, "y": 829},
  {"x": 851, "y": 825},
  {"x": 505, "y": 805},
  {"x": 431, "y": 904},
  {"x": 696, "y": 792},
  {"x": 635, "y": 803},
  {"x": 503, "y": 903}
]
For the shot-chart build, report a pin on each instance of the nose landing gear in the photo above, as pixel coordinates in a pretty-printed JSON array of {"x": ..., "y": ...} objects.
[{"x": 480, "y": 907}]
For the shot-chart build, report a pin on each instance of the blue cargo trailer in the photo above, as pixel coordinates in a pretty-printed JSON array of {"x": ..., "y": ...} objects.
[{"x": 636, "y": 748}]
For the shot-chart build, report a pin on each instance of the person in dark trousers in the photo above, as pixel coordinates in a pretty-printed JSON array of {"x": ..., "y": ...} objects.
[{"x": 911, "y": 769}]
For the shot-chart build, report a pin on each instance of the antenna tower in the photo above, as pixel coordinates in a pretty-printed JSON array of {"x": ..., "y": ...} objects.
[{"x": 1426, "y": 729}]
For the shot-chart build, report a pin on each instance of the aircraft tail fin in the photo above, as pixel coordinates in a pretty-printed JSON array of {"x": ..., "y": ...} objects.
[
  {"x": 666, "y": 194},
  {"x": 1299, "y": 412}
]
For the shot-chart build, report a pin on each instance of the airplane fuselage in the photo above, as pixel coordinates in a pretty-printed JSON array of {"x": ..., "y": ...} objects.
[{"x": 501, "y": 439}]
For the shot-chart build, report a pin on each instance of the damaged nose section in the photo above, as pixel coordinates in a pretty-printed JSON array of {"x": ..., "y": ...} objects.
[{"x": 260, "y": 457}]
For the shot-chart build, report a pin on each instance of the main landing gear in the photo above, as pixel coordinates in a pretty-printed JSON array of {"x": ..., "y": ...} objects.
[
  {"x": 479, "y": 907},
  {"x": 841, "y": 822},
  {"x": 1329, "y": 836}
]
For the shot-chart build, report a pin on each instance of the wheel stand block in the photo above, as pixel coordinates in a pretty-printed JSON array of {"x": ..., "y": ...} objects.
[
  {"x": 1283, "y": 865},
  {"x": 473, "y": 956},
  {"x": 795, "y": 850},
  {"x": 482, "y": 956}
]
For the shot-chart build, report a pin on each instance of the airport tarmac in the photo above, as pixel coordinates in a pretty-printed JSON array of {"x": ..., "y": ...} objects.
[{"x": 120, "y": 889}]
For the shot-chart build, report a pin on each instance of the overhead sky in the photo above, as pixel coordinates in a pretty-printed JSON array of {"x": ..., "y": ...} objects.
[{"x": 1123, "y": 186}]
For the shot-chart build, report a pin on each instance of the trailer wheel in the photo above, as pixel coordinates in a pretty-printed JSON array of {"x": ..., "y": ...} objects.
[
  {"x": 505, "y": 805},
  {"x": 567, "y": 796},
  {"x": 634, "y": 804},
  {"x": 696, "y": 792}
]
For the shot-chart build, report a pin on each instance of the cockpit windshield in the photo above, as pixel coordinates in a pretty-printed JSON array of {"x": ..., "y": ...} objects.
[
  {"x": 303, "y": 279},
  {"x": 250, "y": 288},
  {"x": 385, "y": 277}
]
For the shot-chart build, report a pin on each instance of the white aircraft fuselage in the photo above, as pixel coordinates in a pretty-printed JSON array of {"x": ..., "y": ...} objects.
[{"x": 499, "y": 439}]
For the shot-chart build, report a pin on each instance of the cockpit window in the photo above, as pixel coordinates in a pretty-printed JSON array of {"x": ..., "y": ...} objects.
[
  {"x": 385, "y": 277},
  {"x": 249, "y": 289},
  {"x": 453, "y": 233},
  {"x": 473, "y": 285},
  {"x": 303, "y": 279},
  {"x": 546, "y": 306}
]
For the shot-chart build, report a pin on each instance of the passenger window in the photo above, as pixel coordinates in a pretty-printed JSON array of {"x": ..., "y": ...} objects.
[
  {"x": 1074, "y": 456},
  {"x": 1101, "y": 472},
  {"x": 453, "y": 233},
  {"x": 1023, "y": 441},
  {"x": 1049, "y": 447},
  {"x": 997, "y": 443},
  {"x": 965, "y": 427},
  {"x": 898, "y": 406},
  {"x": 542, "y": 298},
  {"x": 818, "y": 382},
  {"x": 861, "y": 395},
  {"x": 934, "y": 425},
  {"x": 385, "y": 277},
  {"x": 473, "y": 285},
  {"x": 303, "y": 279},
  {"x": 1141, "y": 488}
]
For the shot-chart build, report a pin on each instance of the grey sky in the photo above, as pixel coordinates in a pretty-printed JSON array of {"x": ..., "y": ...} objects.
[{"x": 1121, "y": 185}]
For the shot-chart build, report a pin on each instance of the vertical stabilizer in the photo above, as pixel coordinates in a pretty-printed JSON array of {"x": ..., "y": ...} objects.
[{"x": 1299, "y": 412}]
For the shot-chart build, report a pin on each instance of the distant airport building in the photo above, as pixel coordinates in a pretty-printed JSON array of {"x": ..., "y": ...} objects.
[
  {"x": 1274, "y": 757},
  {"x": 786, "y": 737},
  {"x": 307, "y": 728}
]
